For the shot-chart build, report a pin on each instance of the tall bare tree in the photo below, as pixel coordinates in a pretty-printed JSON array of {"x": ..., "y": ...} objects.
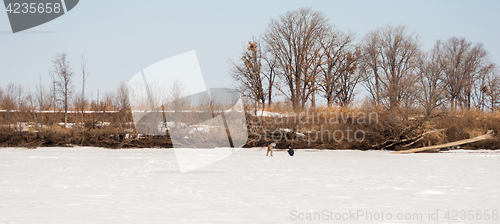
[
  {"x": 64, "y": 75},
  {"x": 389, "y": 63},
  {"x": 41, "y": 98},
  {"x": 349, "y": 77},
  {"x": 40, "y": 94},
  {"x": 269, "y": 71},
  {"x": 337, "y": 77},
  {"x": 85, "y": 74},
  {"x": 293, "y": 40},
  {"x": 463, "y": 63},
  {"x": 430, "y": 84},
  {"x": 479, "y": 91},
  {"x": 491, "y": 90},
  {"x": 369, "y": 67},
  {"x": 20, "y": 97},
  {"x": 53, "y": 92},
  {"x": 248, "y": 72}
]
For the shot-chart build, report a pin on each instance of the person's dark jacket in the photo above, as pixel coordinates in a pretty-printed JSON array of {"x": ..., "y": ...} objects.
[{"x": 291, "y": 151}]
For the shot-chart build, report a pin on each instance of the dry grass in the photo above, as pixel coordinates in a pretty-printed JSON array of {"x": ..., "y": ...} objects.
[{"x": 296, "y": 129}]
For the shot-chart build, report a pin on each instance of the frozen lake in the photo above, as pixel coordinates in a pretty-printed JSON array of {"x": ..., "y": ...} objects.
[{"x": 92, "y": 185}]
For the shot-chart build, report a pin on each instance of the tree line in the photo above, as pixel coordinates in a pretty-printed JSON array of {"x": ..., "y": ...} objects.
[
  {"x": 301, "y": 56},
  {"x": 61, "y": 95}
]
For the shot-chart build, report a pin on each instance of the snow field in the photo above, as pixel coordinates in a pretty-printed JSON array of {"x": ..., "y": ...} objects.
[{"x": 93, "y": 185}]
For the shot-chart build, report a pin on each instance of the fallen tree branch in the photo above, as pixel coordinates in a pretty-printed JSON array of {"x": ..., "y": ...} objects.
[
  {"x": 404, "y": 134},
  {"x": 413, "y": 141},
  {"x": 488, "y": 135},
  {"x": 422, "y": 136}
]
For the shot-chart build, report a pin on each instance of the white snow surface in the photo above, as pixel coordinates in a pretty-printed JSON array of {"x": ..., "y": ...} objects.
[
  {"x": 269, "y": 114},
  {"x": 94, "y": 185}
]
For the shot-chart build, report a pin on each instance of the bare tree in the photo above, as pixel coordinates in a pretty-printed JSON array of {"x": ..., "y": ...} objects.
[
  {"x": 84, "y": 77},
  {"x": 40, "y": 94},
  {"x": 63, "y": 72},
  {"x": 107, "y": 102},
  {"x": 9, "y": 98},
  {"x": 1, "y": 96},
  {"x": 430, "y": 80},
  {"x": 338, "y": 77},
  {"x": 123, "y": 101},
  {"x": 53, "y": 92},
  {"x": 256, "y": 74},
  {"x": 463, "y": 63},
  {"x": 479, "y": 91},
  {"x": 32, "y": 101},
  {"x": 248, "y": 73},
  {"x": 313, "y": 62},
  {"x": 177, "y": 92},
  {"x": 269, "y": 71},
  {"x": 42, "y": 98},
  {"x": 349, "y": 77},
  {"x": 293, "y": 41},
  {"x": 389, "y": 63},
  {"x": 177, "y": 101},
  {"x": 492, "y": 91},
  {"x": 369, "y": 67},
  {"x": 20, "y": 97}
]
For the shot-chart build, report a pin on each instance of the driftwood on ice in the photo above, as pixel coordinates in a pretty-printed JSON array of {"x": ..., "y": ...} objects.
[
  {"x": 488, "y": 135},
  {"x": 407, "y": 141}
]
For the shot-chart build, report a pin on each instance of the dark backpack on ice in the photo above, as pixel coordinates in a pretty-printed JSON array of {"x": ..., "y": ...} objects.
[{"x": 291, "y": 152}]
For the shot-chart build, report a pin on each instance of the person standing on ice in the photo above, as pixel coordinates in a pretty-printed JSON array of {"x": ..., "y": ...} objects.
[
  {"x": 290, "y": 150},
  {"x": 270, "y": 148}
]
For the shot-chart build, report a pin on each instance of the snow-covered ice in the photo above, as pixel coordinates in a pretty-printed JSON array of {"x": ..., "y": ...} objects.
[{"x": 92, "y": 185}]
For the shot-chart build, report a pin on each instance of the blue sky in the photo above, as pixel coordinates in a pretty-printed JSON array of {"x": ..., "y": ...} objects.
[{"x": 119, "y": 38}]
